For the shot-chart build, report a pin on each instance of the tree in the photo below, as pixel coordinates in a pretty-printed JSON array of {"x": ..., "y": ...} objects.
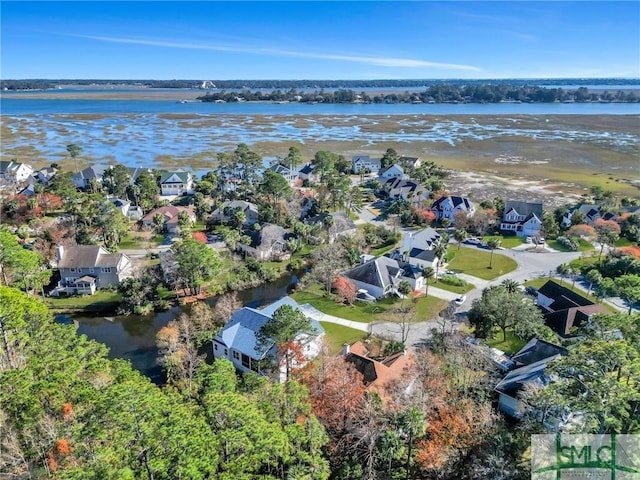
[
  {"x": 607, "y": 233},
  {"x": 113, "y": 225},
  {"x": 293, "y": 158},
  {"x": 159, "y": 223},
  {"x": 274, "y": 186},
  {"x": 184, "y": 224},
  {"x": 74, "y": 150},
  {"x": 288, "y": 328},
  {"x": 440, "y": 250},
  {"x": 117, "y": 179},
  {"x": 550, "y": 226},
  {"x": 148, "y": 190},
  {"x": 327, "y": 262},
  {"x": 628, "y": 287},
  {"x": 511, "y": 286},
  {"x": 389, "y": 158},
  {"x": 427, "y": 273},
  {"x": 197, "y": 264},
  {"x": 499, "y": 308},
  {"x": 492, "y": 244},
  {"x": 460, "y": 234},
  {"x": 411, "y": 424},
  {"x": 593, "y": 276},
  {"x": 226, "y": 305},
  {"x": 345, "y": 290}
]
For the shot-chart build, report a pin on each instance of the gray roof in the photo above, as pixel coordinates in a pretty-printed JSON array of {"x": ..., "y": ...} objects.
[
  {"x": 516, "y": 379},
  {"x": 536, "y": 350},
  {"x": 381, "y": 272},
  {"x": 341, "y": 222},
  {"x": 237, "y": 204},
  {"x": 524, "y": 208},
  {"x": 241, "y": 330},
  {"x": 453, "y": 201},
  {"x": 88, "y": 256},
  {"x": 281, "y": 169},
  {"x": 95, "y": 171},
  {"x": 267, "y": 236},
  {"x": 425, "y": 239}
]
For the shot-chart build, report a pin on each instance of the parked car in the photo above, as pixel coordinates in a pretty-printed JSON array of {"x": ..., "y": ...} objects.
[
  {"x": 540, "y": 240},
  {"x": 472, "y": 241},
  {"x": 529, "y": 240},
  {"x": 531, "y": 291},
  {"x": 450, "y": 272},
  {"x": 460, "y": 300}
]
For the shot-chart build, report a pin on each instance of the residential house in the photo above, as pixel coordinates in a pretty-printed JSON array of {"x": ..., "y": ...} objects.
[
  {"x": 410, "y": 163},
  {"x": 238, "y": 342},
  {"x": 269, "y": 243},
  {"x": 522, "y": 218},
  {"x": 379, "y": 375},
  {"x": 83, "y": 178},
  {"x": 85, "y": 268},
  {"x": 394, "y": 171},
  {"x": 530, "y": 365},
  {"x": 290, "y": 174},
  {"x": 381, "y": 276},
  {"x": 448, "y": 207},
  {"x": 418, "y": 248},
  {"x": 565, "y": 309},
  {"x": 224, "y": 213},
  {"x": 170, "y": 214},
  {"x": 15, "y": 172},
  {"x": 591, "y": 213},
  {"x": 44, "y": 175},
  {"x": 364, "y": 163},
  {"x": 335, "y": 225},
  {"x": 408, "y": 190},
  {"x": 177, "y": 182},
  {"x": 133, "y": 212},
  {"x": 135, "y": 172},
  {"x": 308, "y": 172}
]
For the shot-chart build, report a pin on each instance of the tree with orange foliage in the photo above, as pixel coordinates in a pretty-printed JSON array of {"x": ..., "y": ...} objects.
[
  {"x": 199, "y": 237},
  {"x": 582, "y": 230},
  {"x": 607, "y": 233},
  {"x": 49, "y": 202},
  {"x": 345, "y": 290}
]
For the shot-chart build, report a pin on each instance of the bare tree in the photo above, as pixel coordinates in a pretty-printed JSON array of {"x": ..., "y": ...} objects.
[{"x": 225, "y": 306}]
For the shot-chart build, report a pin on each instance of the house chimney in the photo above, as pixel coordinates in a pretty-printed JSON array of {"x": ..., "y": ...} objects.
[
  {"x": 59, "y": 252},
  {"x": 345, "y": 349}
]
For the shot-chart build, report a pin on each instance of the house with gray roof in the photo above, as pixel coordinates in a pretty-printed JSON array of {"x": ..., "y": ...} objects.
[
  {"x": 364, "y": 163},
  {"x": 394, "y": 171},
  {"x": 334, "y": 226},
  {"x": 410, "y": 162},
  {"x": 408, "y": 190},
  {"x": 16, "y": 172},
  {"x": 308, "y": 172},
  {"x": 289, "y": 174},
  {"x": 418, "y": 248},
  {"x": 238, "y": 341},
  {"x": 86, "y": 268},
  {"x": 381, "y": 276},
  {"x": 591, "y": 213},
  {"x": 177, "y": 182},
  {"x": 83, "y": 178},
  {"x": 224, "y": 213},
  {"x": 522, "y": 218},
  {"x": 269, "y": 243},
  {"x": 449, "y": 207}
]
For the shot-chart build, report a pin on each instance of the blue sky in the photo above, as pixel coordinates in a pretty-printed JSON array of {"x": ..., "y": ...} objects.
[{"x": 319, "y": 40}]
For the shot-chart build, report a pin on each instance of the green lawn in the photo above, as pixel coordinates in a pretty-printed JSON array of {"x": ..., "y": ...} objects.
[
  {"x": 538, "y": 282},
  {"x": 506, "y": 242},
  {"x": 473, "y": 261},
  {"x": 132, "y": 241},
  {"x": 382, "y": 250},
  {"x": 511, "y": 345},
  {"x": 101, "y": 300},
  {"x": 584, "y": 246},
  {"x": 452, "y": 288},
  {"x": 338, "y": 335},
  {"x": 363, "y": 312},
  {"x": 625, "y": 242}
]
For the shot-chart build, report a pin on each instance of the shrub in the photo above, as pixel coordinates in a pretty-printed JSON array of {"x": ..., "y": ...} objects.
[
  {"x": 569, "y": 242},
  {"x": 453, "y": 280}
]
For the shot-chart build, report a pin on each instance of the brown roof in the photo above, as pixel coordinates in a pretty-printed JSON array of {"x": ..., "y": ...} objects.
[
  {"x": 378, "y": 375},
  {"x": 87, "y": 256}
]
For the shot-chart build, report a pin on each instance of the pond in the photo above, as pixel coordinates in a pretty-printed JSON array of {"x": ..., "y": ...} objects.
[{"x": 133, "y": 337}]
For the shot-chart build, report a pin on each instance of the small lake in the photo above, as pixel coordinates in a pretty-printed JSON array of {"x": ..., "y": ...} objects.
[{"x": 133, "y": 337}]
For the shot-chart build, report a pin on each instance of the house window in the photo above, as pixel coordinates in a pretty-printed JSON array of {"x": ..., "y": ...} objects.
[
  {"x": 236, "y": 355},
  {"x": 215, "y": 346},
  {"x": 246, "y": 361},
  {"x": 72, "y": 269},
  {"x": 91, "y": 270},
  {"x": 226, "y": 352},
  {"x": 105, "y": 269}
]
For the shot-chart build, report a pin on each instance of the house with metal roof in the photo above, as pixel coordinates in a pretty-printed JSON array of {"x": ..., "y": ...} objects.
[
  {"x": 238, "y": 341},
  {"x": 269, "y": 243},
  {"x": 177, "y": 182},
  {"x": 224, "y": 213},
  {"x": 418, "y": 248},
  {"x": 381, "y": 276},
  {"x": 523, "y": 219},
  {"x": 14, "y": 171}
]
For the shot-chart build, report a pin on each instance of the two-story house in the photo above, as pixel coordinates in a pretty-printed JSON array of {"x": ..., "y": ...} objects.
[
  {"x": 381, "y": 276},
  {"x": 238, "y": 340},
  {"x": 174, "y": 183},
  {"x": 170, "y": 215},
  {"x": 418, "y": 248},
  {"x": 14, "y": 171},
  {"x": 86, "y": 268},
  {"x": 394, "y": 171},
  {"x": 448, "y": 207},
  {"x": 522, "y": 218},
  {"x": 83, "y": 178},
  {"x": 225, "y": 212},
  {"x": 364, "y": 163}
]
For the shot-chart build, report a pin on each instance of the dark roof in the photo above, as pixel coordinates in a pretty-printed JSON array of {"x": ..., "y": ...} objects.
[
  {"x": 267, "y": 236},
  {"x": 524, "y": 208},
  {"x": 516, "y": 379},
  {"x": 281, "y": 169},
  {"x": 426, "y": 255},
  {"x": 307, "y": 169},
  {"x": 379, "y": 272},
  {"x": 562, "y": 321},
  {"x": 564, "y": 297},
  {"x": 182, "y": 175},
  {"x": 537, "y": 350},
  {"x": 341, "y": 222},
  {"x": 364, "y": 365},
  {"x": 455, "y": 201}
]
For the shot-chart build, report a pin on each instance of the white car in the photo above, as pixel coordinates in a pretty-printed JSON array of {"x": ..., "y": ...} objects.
[
  {"x": 460, "y": 300},
  {"x": 472, "y": 241}
]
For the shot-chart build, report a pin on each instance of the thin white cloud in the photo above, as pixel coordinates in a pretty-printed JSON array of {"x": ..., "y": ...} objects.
[{"x": 375, "y": 61}]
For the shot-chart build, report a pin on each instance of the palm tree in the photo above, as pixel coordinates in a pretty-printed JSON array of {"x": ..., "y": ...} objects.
[
  {"x": 460, "y": 235},
  {"x": 510, "y": 286},
  {"x": 427, "y": 273},
  {"x": 492, "y": 244},
  {"x": 440, "y": 250},
  {"x": 593, "y": 276}
]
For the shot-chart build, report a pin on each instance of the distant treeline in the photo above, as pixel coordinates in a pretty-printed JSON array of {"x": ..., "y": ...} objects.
[
  {"x": 30, "y": 84},
  {"x": 435, "y": 94}
]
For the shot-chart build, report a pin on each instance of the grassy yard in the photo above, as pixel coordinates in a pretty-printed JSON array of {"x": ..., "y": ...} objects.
[
  {"x": 473, "y": 261},
  {"x": 100, "y": 301},
  {"x": 452, "y": 288},
  {"x": 584, "y": 246},
  {"x": 364, "y": 312},
  {"x": 506, "y": 242},
  {"x": 511, "y": 345},
  {"x": 538, "y": 282},
  {"x": 133, "y": 240},
  {"x": 338, "y": 335}
]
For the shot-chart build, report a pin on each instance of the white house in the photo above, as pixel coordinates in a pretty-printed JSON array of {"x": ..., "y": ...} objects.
[
  {"x": 15, "y": 172},
  {"x": 394, "y": 171},
  {"x": 448, "y": 207},
  {"x": 289, "y": 174},
  {"x": 365, "y": 163},
  {"x": 238, "y": 341},
  {"x": 410, "y": 162},
  {"x": 522, "y": 218},
  {"x": 176, "y": 183},
  {"x": 408, "y": 190}
]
